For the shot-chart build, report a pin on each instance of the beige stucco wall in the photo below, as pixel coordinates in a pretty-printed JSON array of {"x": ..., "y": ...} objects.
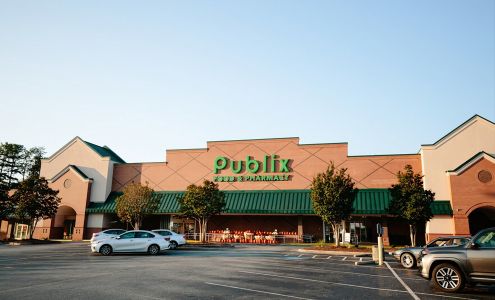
[
  {"x": 94, "y": 221},
  {"x": 456, "y": 148},
  {"x": 440, "y": 225},
  {"x": 94, "y": 166}
]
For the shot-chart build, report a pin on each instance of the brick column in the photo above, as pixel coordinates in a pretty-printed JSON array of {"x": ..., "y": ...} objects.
[
  {"x": 77, "y": 235},
  {"x": 461, "y": 225}
]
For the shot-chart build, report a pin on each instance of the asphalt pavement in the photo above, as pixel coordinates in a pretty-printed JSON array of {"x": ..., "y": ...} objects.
[{"x": 70, "y": 271}]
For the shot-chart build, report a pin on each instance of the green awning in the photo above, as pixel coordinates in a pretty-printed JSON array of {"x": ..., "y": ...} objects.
[{"x": 280, "y": 202}]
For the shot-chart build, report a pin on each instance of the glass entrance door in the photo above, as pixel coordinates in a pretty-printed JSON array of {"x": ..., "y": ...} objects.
[
  {"x": 21, "y": 232},
  {"x": 68, "y": 229}
]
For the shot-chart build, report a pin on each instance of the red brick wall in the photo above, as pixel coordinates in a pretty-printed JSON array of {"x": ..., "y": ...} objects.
[{"x": 469, "y": 193}]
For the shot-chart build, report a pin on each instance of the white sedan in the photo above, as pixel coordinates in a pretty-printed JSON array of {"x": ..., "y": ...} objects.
[
  {"x": 132, "y": 241},
  {"x": 105, "y": 234},
  {"x": 175, "y": 239}
]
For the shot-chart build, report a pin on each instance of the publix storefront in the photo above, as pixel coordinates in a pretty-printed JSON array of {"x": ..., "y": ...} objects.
[{"x": 267, "y": 181}]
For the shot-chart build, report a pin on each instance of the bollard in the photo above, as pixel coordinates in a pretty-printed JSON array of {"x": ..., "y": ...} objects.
[{"x": 380, "y": 251}]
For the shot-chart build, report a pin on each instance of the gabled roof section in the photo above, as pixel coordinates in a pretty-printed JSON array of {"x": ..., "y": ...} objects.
[
  {"x": 101, "y": 151},
  {"x": 73, "y": 168},
  {"x": 458, "y": 129},
  {"x": 105, "y": 152},
  {"x": 468, "y": 163}
]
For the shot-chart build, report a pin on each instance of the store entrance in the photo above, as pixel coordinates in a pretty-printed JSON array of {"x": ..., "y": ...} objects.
[
  {"x": 481, "y": 218},
  {"x": 183, "y": 225},
  {"x": 21, "y": 232}
]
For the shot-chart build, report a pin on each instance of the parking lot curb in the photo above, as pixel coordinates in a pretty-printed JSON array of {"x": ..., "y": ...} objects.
[{"x": 329, "y": 252}]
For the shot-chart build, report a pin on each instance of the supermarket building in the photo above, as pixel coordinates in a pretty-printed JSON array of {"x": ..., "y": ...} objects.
[{"x": 266, "y": 184}]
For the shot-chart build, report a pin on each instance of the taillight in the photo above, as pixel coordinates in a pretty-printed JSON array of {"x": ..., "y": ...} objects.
[{"x": 95, "y": 234}]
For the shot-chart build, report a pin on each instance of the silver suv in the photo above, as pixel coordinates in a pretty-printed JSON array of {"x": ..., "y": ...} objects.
[{"x": 450, "y": 268}]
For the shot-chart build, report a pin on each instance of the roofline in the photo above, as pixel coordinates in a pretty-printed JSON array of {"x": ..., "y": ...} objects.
[
  {"x": 260, "y": 139},
  {"x": 186, "y": 149},
  {"x": 458, "y": 127},
  {"x": 316, "y": 144},
  {"x": 468, "y": 163},
  {"x": 104, "y": 147},
  {"x": 74, "y": 168},
  {"x": 61, "y": 149},
  {"x": 396, "y": 154}
]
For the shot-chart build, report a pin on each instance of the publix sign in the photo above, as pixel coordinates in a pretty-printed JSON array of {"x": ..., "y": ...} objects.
[{"x": 252, "y": 169}]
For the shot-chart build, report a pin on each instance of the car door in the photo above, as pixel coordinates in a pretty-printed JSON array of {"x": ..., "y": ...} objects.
[
  {"x": 142, "y": 241},
  {"x": 124, "y": 242},
  {"x": 481, "y": 255}
]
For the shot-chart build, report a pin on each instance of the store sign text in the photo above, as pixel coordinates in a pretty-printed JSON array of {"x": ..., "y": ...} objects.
[{"x": 269, "y": 164}]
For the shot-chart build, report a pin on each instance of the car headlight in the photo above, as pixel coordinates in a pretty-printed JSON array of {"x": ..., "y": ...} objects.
[{"x": 425, "y": 252}]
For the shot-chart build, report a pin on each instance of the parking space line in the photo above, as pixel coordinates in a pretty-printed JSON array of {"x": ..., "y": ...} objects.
[
  {"x": 415, "y": 297},
  {"x": 332, "y": 271},
  {"x": 314, "y": 256},
  {"x": 327, "y": 282},
  {"x": 300, "y": 255},
  {"x": 256, "y": 291},
  {"x": 329, "y": 257},
  {"x": 345, "y": 257}
]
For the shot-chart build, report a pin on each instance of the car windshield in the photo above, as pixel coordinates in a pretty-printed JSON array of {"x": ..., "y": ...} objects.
[{"x": 486, "y": 240}]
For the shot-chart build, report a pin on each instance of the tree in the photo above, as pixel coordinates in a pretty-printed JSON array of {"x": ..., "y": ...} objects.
[
  {"x": 410, "y": 201},
  {"x": 11, "y": 164},
  {"x": 136, "y": 202},
  {"x": 332, "y": 195},
  {"x": 33, "y": 201},
  {"x": 201, "y": 203}
]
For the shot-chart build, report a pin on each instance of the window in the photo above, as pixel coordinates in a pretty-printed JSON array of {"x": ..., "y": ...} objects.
[
  {"x": 486, "y": 240},
  {"x": 144, "y": 235},
  {"x": 128, "y": 235},
  {"x": 438, "y": 243}
]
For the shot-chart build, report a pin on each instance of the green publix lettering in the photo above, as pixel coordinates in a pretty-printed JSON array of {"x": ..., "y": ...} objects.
[{"x": 269, "y": 164}]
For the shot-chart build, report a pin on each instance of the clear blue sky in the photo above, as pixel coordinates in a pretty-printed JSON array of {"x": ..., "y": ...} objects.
[{"x": 144, "y": 76}]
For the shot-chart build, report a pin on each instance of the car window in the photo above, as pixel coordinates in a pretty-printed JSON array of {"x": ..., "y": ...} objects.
[
  {"x": 459, "y": 241},
  {"x": 144, "y": 235},
  {"x": 486, "y": 240},
  {"x": 114, "y": 231},
  {"x": 127, "y": 235},
  {"x": 163, "y": 232},
  {"x": 438, "y": 243}
]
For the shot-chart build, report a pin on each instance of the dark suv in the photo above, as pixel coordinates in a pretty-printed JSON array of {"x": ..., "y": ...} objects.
[{"x": 450, "y": 268}]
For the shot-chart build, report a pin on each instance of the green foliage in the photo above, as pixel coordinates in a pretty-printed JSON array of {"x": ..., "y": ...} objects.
[
  {"x": 201, "y": 203},
  {"x": 410, "y": 201},
  {"x": 18, "y": 163},
  {"x": 34, "y": 200},
  {"x": 332, "y": 195},
  {"x": 136, "y": 202}
]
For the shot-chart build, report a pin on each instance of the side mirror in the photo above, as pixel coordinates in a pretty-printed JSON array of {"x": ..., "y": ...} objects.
[
  {"x": 117, "y": 237},
  {"x": 474, "y": 246}
]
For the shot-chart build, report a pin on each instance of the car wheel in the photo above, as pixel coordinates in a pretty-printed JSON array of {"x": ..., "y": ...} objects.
[
  {"x": 173, "y": 245},
  {"x": 153, "y": 249},
  {"x": 407, "y": 260},
  {"x": 448, "y": 278},
  {"x": 106, "y": 250}
]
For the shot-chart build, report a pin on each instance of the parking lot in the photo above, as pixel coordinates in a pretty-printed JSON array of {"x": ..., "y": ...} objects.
[{"x": 70, "y": 271}]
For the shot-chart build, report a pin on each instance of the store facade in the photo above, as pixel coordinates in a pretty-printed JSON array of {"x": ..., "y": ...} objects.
[{"x": 266, "y": 184}]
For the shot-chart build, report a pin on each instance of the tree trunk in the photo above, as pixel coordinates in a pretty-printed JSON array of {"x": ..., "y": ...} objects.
[
  {"x": 33, "y": 227},
  {"x": 136, "y": 225},
  {"x": 336, "y": 234},
  {"x": 412, "y": 232}
]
